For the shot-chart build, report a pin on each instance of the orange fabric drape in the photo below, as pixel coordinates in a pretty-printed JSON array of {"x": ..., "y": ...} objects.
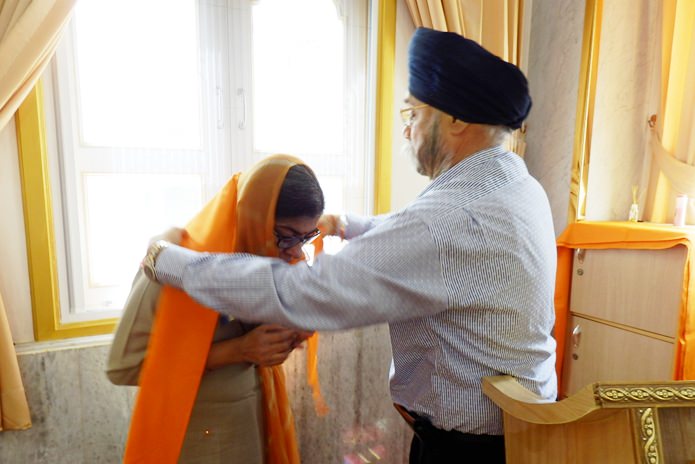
[
  {"x": 29, "y": 33},
  {"x": 239, "y": 219},
  {"x": 14, "y": 411},
  {"x": 602, "y": 235},
  {"x": 312, "y": 359}
]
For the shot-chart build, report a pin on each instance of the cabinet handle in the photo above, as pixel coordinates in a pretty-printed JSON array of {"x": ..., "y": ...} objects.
[
  {"x": 581, "y": 253},
  {"x": 576, "y": 336}
]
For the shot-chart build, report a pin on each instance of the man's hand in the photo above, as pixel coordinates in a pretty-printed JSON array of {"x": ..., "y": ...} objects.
[
  {"x": 268, "y": 345},
  {"x": 300, "y": 336},
  {"x": 331, "y": 224}
]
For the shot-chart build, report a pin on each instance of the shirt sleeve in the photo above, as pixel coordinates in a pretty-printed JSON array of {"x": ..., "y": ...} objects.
[
  {"x": 356, "y": 225},
  {"x": 390, "y": 273}
]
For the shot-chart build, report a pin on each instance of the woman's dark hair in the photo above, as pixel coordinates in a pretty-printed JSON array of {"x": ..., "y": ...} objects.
[{"x": 300, "y": 194}]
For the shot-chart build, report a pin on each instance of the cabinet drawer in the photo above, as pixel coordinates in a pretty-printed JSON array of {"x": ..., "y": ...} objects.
[
  {"x": 637, "y": 288},
  {"x": 605, "y": 353}
]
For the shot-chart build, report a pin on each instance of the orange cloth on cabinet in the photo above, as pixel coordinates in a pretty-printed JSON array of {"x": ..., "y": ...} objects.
[
  {"x": 240, "y": 218},
  {"x": 602, "y": 235}
]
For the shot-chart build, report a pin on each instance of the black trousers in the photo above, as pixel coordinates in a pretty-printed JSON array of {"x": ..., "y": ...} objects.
[{"x": 435, "y": 446}]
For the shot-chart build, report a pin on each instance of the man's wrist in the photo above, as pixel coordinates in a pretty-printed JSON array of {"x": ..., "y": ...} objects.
[
  {"x": 342, "y": 223},
  {"x": 150, "y": 260}
]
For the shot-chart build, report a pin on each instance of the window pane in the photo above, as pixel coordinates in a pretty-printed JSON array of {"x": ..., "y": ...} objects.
[
  {"x": 122, "y": 211},
  {"x": 137, "y": 67},
  {"x": 298, "y": 69},
  {"x": 333, "y": 192}
]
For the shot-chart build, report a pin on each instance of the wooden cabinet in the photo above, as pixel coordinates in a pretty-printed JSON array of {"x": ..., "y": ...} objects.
[{"x": 624, "y": 316}]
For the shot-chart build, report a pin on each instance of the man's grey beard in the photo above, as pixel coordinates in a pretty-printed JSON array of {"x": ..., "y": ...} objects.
[
  {"x": 435, "y": 160},
  {"x": 407, "y": 151}
]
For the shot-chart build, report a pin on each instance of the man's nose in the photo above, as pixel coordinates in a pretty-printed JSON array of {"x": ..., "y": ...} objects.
[{"x": 406, "y": 132}]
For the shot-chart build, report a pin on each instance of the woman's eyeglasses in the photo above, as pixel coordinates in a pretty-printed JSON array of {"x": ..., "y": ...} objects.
[{"x": 294, "y": 240}]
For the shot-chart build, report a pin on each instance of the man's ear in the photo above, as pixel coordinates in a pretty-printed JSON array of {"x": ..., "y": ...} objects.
[{"x": 456, "y": 127}]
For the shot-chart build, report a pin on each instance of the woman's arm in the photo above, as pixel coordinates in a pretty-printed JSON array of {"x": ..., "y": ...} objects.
[
  {"x": 133, "y": 332},
  {"x": 266, "y": 345}
]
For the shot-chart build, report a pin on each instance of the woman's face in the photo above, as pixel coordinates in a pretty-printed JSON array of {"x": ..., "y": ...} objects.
[{"x": 299, "y": 228}]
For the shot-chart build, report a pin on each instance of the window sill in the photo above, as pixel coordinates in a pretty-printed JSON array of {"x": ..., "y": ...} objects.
[{"x": 66, "y": 344}]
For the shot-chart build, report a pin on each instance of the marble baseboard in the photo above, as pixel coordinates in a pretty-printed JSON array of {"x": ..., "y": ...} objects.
[{"x": 79, "y": 417}]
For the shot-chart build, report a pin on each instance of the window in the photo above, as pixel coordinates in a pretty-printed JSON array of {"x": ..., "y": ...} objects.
[
  {"x": 134, "y": 153},
  {"x": 206, "y": 103}
]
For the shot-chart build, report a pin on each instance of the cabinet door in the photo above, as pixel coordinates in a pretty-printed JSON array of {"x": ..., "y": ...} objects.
[
  {"x": 637, "y": 288},
  {"x": 602, "y": 353}
]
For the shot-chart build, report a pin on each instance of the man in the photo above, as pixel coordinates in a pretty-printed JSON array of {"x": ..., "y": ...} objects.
[{"x": 464, "y": 275}]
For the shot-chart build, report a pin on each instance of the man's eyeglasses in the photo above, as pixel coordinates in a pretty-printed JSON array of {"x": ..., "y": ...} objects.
[
  {"x": 407, "y": 114},
  {"x": 294, "y": 240}
]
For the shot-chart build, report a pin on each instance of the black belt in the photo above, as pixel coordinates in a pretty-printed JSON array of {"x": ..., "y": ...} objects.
[{"x": 425, "y": 430}]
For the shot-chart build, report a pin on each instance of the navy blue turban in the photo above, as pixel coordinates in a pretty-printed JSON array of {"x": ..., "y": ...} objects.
[{"x": 461, "y": 78}]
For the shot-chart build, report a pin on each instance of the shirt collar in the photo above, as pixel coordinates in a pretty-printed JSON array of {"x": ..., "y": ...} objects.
[{"x": 469, "y": 163}]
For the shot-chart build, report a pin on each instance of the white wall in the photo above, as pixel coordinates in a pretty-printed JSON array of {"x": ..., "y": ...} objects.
[
  {"x": 626, "y": 94},
  {"x": 553, "y": 75}
]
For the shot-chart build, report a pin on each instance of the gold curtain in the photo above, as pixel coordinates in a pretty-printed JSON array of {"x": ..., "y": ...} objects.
[
  {"x": 14, "y": 411},
  {"x": 29, "y": 33},
  {"x": 673, "y": 135},
  {"x": 494, "y": 24}
]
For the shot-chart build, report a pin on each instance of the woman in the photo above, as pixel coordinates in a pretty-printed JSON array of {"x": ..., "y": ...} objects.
[{"x": 272, "y": 210}]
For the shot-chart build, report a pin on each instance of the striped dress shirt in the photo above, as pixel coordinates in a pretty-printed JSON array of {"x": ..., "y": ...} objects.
[{"x": 464, "y": 276}]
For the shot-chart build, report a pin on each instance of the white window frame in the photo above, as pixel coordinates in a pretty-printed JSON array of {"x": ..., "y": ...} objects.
[{"x": 366, "y": 198}]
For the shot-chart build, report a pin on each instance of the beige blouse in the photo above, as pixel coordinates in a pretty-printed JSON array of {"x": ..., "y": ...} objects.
[{"x": 226, "y": 421}]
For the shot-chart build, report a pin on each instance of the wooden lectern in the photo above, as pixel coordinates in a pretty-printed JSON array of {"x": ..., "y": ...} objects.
[{"x": 603, "y": 423}]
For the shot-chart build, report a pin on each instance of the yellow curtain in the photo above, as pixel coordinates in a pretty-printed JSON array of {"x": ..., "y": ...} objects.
[
  {"x": 494, "y": 24},
  {"x": 29, "y": 33},
  {"x": 14, "y": 412},
  {"x": 673, "y": 135}
]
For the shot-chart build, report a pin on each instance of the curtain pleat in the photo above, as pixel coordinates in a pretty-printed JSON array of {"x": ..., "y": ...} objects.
[
  {"x": 454, "y": 17},
  {"x": 472, "y": 13},
  {"x": 436, "y": 11},
  {"x": 14, "y": 411},
  {"x": 29, "y": 33},
  {"x": 424, "y": 9},
  {"x": 681, "y": 175},
  {"x": 673, "y": 138}
]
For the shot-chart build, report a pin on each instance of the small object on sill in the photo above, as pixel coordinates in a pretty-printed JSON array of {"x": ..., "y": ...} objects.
[
  {"x": 633, "y": 216},
  {"x": 680, "y": 211},
  {"x": 634, "y": 213}
]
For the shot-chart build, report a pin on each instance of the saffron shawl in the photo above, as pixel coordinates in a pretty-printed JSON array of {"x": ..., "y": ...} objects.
[{"x": 240, "y": 218}]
